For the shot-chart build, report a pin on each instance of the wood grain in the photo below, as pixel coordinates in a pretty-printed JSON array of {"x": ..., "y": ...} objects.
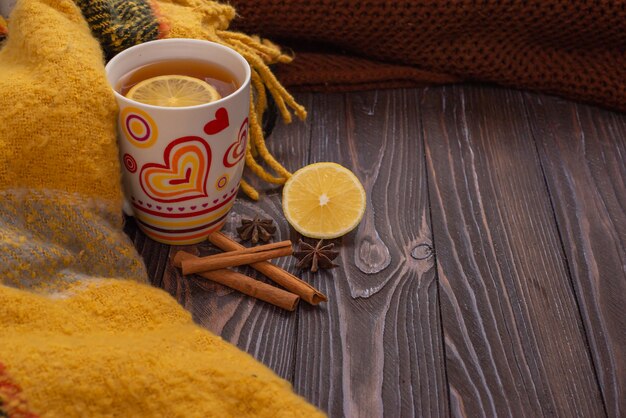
[
  {"x": 513, "y": 334},
  {"x": 375, "y": 349},
  {"x": 523, "y": 313},
  {"x": 583, "y": 152},
  {"x": 263, "y": 330}
]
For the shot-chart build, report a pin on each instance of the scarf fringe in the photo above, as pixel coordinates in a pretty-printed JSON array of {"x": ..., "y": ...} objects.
[{"x": 260, "y": 54}]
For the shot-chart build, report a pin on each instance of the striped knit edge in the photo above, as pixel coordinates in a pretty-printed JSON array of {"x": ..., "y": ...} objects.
[
  {"x": 12, "y": 401},
  {"x": 121, "y": 24},
  {"x": 4, "y": 30},
  {"x": 164, "y": 26}
]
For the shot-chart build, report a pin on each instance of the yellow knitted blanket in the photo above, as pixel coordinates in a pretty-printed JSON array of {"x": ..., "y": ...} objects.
[{"x": 81, "y": 333}]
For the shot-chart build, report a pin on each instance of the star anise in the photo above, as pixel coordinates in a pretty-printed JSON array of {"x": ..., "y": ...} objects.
[
  {"x": 316, "y": 257},
  {"x": 256, "y": 229}
]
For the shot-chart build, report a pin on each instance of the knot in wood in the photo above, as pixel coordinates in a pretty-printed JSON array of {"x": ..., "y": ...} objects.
[{"x": 422, "y": 251}]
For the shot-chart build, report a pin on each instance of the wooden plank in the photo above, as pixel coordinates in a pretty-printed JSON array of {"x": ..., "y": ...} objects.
[
  {"x": 264, "y": 331},
  {"x": 513, "y": 334},
  {"x": 375, "y": 349},
  {"x": 583, "y": 153}
]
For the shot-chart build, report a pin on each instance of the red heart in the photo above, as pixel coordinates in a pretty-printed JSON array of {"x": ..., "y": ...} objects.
[{"x": 218, "y": 124}]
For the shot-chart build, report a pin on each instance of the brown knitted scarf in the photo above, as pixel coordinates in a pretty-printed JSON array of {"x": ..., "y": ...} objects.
[{"x": 574, "y": 49}]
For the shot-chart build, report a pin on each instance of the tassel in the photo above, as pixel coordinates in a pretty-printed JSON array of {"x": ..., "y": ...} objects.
[{"x": 259, "y": 55}]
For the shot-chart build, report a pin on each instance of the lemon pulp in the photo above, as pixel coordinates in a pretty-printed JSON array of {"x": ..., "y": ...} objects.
[
  {"x": 173, "y": 91},
  {"x": 323, "y": 200}
]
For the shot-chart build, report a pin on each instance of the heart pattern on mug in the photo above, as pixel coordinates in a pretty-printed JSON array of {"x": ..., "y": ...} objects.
[
  {"x": 218, "y": 124},
  {"x": 237, "y": 149},
  {"x": 183, "y": 176}
]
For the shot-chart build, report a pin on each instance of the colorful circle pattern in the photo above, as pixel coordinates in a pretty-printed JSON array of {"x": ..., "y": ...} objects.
[
  {"x": 139, "y": 127},
  {"x": 221, "y": 182},
  {"x": 130, "y": 163}
]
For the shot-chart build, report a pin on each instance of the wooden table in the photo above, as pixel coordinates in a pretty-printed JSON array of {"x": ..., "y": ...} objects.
[{"x": 487, "y": 277}]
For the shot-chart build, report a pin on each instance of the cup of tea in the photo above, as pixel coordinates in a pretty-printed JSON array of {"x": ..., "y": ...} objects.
[{"x": 183, "y": 131}]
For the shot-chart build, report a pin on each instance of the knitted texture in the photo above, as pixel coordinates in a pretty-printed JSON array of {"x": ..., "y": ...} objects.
[
  {"x": 117, "y": 348},
  {"x": 81, "y": 334},
  {"x": 120, "y": 24},
  {"x": 51, "y": 239},
  {"x": 575, "y": 49},
  {"x": 44, "y": 80},
  {"x": 12, "y": 403},
  {"x": 337, "y": 72},
  {"x": 3, "y": 29}
]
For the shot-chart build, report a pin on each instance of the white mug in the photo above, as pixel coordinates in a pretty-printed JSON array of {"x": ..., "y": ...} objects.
[{"x": 182, "y": 165}]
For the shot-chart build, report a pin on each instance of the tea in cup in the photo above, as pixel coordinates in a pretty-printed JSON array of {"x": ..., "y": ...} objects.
[{"x": 183, "y": 132}]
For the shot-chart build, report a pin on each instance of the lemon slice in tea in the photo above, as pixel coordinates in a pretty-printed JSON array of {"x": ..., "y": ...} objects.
[
  {"x": 323, "y": 200},
  {"x": 173, "y": 91}
]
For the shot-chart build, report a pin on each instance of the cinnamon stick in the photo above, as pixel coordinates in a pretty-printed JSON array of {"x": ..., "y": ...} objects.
[
  {"x": 287, "y": 280},
  {"x": 237, "y": 258},
  {"x": 244, "y": 284}
]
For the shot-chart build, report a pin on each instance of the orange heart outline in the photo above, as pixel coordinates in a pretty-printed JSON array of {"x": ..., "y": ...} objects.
[{"x": 184, "y": 174}]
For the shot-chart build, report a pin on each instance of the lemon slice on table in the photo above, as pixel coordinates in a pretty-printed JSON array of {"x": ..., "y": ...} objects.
[
  {"x": 173, "y": 91},
  {"x": 323, "y": 200}
]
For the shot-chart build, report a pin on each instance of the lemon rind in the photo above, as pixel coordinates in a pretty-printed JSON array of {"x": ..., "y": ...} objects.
[{"x": 312, "y": 234}]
